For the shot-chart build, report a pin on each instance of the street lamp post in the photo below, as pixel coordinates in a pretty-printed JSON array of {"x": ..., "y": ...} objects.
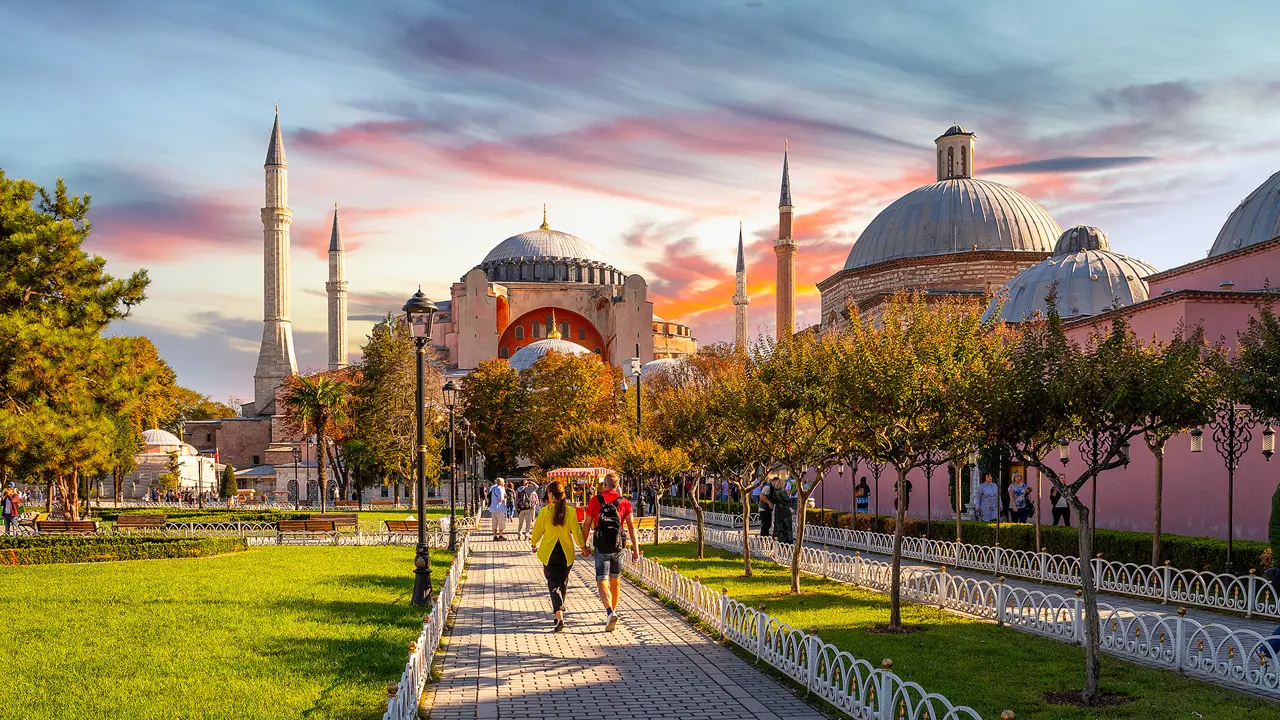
[
  {"x": 932, "y": 460},
  {"x": 297, "y": 460},
  {"x": 451, "y": 401},
  {"x": 1232, "y": 433},
  {"x": 877, "y": 467},
  {"x": 419, "y": 305}
]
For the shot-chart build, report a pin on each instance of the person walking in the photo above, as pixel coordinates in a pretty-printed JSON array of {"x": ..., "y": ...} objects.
[
  {"x": 607, "y": 514},
  {"x": 1019, "y": 499},
  {"x": 10, "y": 506},
  {"x": 988, "y": 500},
  {"x": 784, "y": 514},
  {"x": 862, "y": 496},
  {"x": 766, "y": 508},
  {"x": 498, "y": 508},
  {"x": 556, "y": 535},
  {"x": 1061, "y": 508},
  {"x": 526, "y": 507}
]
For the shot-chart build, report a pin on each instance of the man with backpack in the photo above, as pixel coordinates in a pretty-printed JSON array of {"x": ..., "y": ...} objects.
[
  {"x": 607, "y": 514},
  {"x": 526, "y": 500}
]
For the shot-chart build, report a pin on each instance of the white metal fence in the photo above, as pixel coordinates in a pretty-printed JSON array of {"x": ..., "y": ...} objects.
[
  {"x": 853, "y": 685},
  {"x": 1248, "y": 594},
  {"x": 1234, "y": 657},
  {"x": 403, "y": 696},
  {"x": 733, "y": 520}
]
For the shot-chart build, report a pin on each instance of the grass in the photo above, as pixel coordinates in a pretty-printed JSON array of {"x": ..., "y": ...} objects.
[
  {"x": 974, "y": 663},
  {"x": 274, "y": 632}
]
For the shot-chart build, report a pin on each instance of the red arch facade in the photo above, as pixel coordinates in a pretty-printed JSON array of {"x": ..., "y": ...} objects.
[{"x": 520, "y": 332}]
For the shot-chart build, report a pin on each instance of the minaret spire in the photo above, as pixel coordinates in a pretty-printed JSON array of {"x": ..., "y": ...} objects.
[
  {"x": 276, "y": 360},
  {"x": 336, "y": 290},
  {"x": 740, "y": 299},
  {"x": 785, "y": 250}
]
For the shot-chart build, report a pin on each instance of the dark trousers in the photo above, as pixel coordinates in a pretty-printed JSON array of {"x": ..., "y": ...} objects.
[
  {"x": 766, "y": 520},
  {"x": 557, "y": 584},
  {"x": 1063, "y": 514}
]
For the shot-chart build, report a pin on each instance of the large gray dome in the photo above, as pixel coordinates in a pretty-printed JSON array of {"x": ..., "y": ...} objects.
[
  {"x": 1088, "y": 282},
  {"x": 955, "y": 215},
  {"x": 544, "y": 243},
  {"x": 549, "y": 256},
  {"x": 1257, "y": 219},
  {"x": 525, "y": 357}
]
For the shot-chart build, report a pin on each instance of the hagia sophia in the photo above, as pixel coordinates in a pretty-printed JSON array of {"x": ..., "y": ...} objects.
[{"x": 961, "y": 236}]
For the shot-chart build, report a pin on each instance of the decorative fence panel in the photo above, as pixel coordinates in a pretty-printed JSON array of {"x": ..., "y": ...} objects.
[
  {"x": 403, "y": 697},
  {"x": 1210, "y": 651},
  {"x": 1248, "y": 594},
  {"x": 853, "y": 685}
]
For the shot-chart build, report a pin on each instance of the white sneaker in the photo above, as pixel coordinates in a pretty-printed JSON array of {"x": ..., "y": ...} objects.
[{"x": 612, "y": 622}]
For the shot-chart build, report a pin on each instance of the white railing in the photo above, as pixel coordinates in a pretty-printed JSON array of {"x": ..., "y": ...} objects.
[
  {"x": 403, "y": 696},
  {"x": 852, "y": 685},
  {"x": 733, "y": 520},
  {"x": 1248, "y": 594},
  {"x": 1234, "y": 657}
]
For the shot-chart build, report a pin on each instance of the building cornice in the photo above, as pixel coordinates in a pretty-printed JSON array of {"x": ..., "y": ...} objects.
[
  {"x": 1213, "y": 260},
  {"x": 1224, "y": 297},
  {"x": 925, "y": 260}
]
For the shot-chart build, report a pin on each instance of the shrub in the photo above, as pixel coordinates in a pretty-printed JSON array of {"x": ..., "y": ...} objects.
[
  {"x": 44, "y": 550},
  {"x": 206, "y": 515}
]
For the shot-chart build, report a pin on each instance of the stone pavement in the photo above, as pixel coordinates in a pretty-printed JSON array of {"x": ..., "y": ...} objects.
[{"x": 504, "y": 661}]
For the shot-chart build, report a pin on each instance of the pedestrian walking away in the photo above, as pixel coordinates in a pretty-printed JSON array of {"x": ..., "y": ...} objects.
[
  {"x": 11, "y": 506},
  {"x": 556, "y": 537},
  {"x": 607, "y": 514},
  {"x": 862, "y": 495},
  {"x": 766, "y": 508},
  {"x": 498, "y": 508},
  {"x": 526, "y": 507}
]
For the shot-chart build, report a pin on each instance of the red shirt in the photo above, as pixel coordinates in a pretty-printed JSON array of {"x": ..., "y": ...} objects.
[{"x": 624, "y": 506}]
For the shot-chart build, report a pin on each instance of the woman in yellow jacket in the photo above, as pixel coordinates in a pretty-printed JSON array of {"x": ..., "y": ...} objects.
[{"x": 555, "y": 533}]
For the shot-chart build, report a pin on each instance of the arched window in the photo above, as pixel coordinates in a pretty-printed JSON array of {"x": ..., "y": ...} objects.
[
  {"x": 598, "y": 351},
  {"x": 951, "y": 162},
  {"x": 577, "y": 273},
  {"x": 939, "y": 162},
  {"x": 964, "y": 162},
  {"x": 564, "y": 330},
  {"x": 519, "y": 332},
  {"x": 582, "y": 333},
  {"x": 537, "y": 329},
  {"x": 503, "y": 352},
  {"x": 524, "y": 272}
]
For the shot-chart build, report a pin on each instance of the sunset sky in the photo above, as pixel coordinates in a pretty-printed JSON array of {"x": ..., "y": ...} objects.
[{"x": 648, "y": 128}]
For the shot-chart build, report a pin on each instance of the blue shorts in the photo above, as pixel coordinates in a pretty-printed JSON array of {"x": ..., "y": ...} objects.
[{"x": 607, "y": 564}]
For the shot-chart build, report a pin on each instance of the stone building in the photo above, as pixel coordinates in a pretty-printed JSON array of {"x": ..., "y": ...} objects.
[
  {"x": 198, "y": 473},
  {"x": 958, "y": 236}
]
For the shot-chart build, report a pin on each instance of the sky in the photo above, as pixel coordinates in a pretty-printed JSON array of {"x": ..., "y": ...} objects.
[{"x": 649, "y": 129}]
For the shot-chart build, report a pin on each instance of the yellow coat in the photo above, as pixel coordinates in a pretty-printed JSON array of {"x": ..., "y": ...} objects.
[{"x": 546, "y": 535}]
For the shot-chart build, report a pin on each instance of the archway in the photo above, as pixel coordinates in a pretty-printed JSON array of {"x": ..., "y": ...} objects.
[{"x": 533, "y": 326}]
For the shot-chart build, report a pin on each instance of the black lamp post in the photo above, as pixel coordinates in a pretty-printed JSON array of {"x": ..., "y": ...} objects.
[
  {"x": 932, "y": 460},
  {"x": 420, "y": 307},
  {"x": 297, "y": 460},
  {"x": 1232, "y": 432},
  {"x": 451, "y": 401},
  {"x": 877, "y": 467}
]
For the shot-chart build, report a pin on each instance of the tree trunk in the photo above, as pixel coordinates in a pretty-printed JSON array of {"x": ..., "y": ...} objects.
[
  {"x": 69, "y": 495},
  {"x": 802, "y": 502},
  {"x": 1092, "y": 626},
  {"x": 657, "y": 519},
  {"x": 1157, "y": 451},
  {"x": 895, "y": 591},
  {"x": 697, "y": 513},
  {"x": 321, "y": 471},
  {"x": 959, "y": 499},
  {"x": 746, "y": 537},
  {"x": 48, "y": 494},
  {"x": 1039, "y": 495}
]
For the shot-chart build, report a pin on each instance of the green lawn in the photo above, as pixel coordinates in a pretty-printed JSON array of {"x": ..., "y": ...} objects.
[
  {"x": 972, "y": 663},
  {"x": 275, "y": 632}
]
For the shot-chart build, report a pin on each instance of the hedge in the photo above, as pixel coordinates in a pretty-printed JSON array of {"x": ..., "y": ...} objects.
[
  {"x": 198, "y": 515},
  {"x": 1181, "y": 551},
  {"x": 44, "y": 550}
]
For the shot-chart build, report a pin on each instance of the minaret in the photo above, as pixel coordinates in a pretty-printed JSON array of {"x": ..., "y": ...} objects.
[
  {"x": 336, "y": 289},
  {"x": 276, "y": 360},
  {"x": 785, "y": 248},
  {"x": 740, "y": 299}
]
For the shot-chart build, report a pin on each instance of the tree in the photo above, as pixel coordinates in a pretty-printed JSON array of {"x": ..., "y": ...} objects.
[
  {"x": 644, "y": 461},
  {"x": 1179, "y": 395},
  {"x": 315, "y": 405},
  {"x": 493, "y": 401},
  {"x": 227, "y": 486},
  {"x": 1255, "y": 369},
  {"x": 171, "y": 479},
  {"x": 187, "y": 405},
  {"x": 563, "y": 392}
]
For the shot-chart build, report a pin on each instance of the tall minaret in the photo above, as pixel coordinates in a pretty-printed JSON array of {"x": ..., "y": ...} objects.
[
  {"x": 740, "y": 299},
  {"x": 336, "y": 289},
  {"x": 276, "y": 360},
  {"x": 785, "y": 248}
]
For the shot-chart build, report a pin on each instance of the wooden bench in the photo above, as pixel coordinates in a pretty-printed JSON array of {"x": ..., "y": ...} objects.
[
  {"x": 340, "y": 520},
  {"x": 304, "y": 530},
  {"x": 383, "y": 502},
  {"x": 67, "y": 527},
  {"x": 347, "y": 504},
  {"x": 645, "y": 523},
  {"x": 140, "y": 521},
  {"x": 440, "y": 502},
  {"x": 400, "y": 527}
]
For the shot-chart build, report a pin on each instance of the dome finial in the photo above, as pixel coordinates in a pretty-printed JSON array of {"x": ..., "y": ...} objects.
[
  {"x": 554, "y": 332},
  {"x": 544, "y": 225}
]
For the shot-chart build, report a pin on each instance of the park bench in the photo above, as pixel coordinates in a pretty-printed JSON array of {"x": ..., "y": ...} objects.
[
  {"x": 347, "y": 504},
  {"x": 140, "y": 521},
  {"x": 67, "y": 527},
  {"x": 645, "y": 523},
  {"x": 306, "y": 531},
  {"x": 381, "y": 502},
  {"x": 441, "y": 502},
  {"x": 339, "y": 520},
  {"x": 400, "y": 528}
]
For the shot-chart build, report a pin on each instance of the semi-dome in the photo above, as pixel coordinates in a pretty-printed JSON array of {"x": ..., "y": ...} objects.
[
  {"x": 661, "y": 365},
  {"x": 951, "y": 216},
  {"x": 525, "y": 357},
  {"x": 1256, "y": 220},
  {"x": 1088, "y": 281}
]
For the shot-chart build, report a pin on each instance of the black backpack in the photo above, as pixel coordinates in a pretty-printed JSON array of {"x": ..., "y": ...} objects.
[{"x": 608, "y": 528}]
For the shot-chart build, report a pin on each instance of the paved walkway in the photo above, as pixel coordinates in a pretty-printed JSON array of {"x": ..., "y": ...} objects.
[{"x": 503, "y": 661}]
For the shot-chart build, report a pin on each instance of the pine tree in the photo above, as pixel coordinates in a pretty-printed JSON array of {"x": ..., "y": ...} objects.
[{"x": 227, "y": 486}]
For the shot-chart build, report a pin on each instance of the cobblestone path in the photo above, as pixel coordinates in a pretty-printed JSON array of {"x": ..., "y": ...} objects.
[{"x": 503, "y": 660}]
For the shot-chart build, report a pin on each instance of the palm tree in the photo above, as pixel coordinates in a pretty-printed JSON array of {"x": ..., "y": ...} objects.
[{"x": 318, "y": 403}]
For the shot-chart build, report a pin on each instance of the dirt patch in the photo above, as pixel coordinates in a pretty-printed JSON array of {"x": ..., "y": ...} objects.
[
  {"x": 886, "y": 630},
  {"x": 1073, "y": 698}
]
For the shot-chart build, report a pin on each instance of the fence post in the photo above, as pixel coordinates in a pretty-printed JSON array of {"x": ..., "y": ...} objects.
[
  {"x": 997, "y": 570},
  {"x": 825, "y": 555},
  {"x": 1002, "y": 593},
  {"x": 675, "y": 580},
  {"x": 1248, "y": 594},
  {"x": 1179, "y": 642},
  {"x": 885, "y": 691},
  {"x": 942, "y": 587},
  {"x": 759, "y": 631},
  {"x": 1166, "y": 573},
  {"x": 1097, "y": 572},
  {"x": 724, "y": 611},
  {"x": 811, "y": 657},
  {"x": 1077, "y": 617},
  {"x": 1044, "y": 564},
  {"x": 857, "y": 568}
]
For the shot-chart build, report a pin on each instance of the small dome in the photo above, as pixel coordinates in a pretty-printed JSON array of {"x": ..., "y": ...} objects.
[
  {"x": 661, "y": 365},
  {"x": 1081, "y": 237},
  {"x": 161, "y": 438},
  {"x": 544, "y": 242},
  {"x": 525, "y": 357},
  {"x": 1088, "y": 282},
  {"x": 1256, "y": 220},
  {"x": 955, "y": 130},
  {"x": 952, "y": 216}
]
